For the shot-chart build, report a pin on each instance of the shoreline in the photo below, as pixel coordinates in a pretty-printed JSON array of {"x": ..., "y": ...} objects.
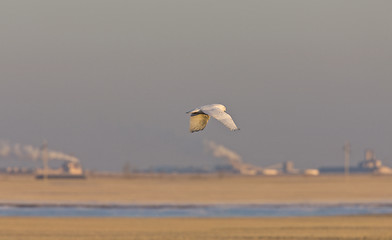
[
  {"x": 193, "y": 210},
  {"x": 194, "y": 205}
]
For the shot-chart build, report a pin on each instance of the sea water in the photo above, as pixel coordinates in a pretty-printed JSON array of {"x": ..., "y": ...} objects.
[{"x": 194, "y": 210}]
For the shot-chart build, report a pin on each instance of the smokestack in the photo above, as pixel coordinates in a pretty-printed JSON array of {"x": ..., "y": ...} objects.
[
  {"x": 347, "y": 151},
  {"x": 45, "y": 158}
]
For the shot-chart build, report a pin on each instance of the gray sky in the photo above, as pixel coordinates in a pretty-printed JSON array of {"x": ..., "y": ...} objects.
[{"x": 110, "y": 81}]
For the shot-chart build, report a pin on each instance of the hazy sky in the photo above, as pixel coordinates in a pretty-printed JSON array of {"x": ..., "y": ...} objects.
[{"x": 110, "y": 81}]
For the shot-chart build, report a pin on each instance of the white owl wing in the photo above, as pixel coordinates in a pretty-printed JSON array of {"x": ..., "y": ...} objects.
[{"x": 222, "y": 117}]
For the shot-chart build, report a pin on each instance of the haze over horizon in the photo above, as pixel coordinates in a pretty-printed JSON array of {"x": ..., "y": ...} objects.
[{"x": 110, "y": 81}]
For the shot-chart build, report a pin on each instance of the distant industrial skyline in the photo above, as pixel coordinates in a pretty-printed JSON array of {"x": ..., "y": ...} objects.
[{"x": 110, "y": 82}]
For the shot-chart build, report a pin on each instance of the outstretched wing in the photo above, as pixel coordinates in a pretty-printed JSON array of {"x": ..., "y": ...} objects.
[
  {"x": 198, "y": 121},
  {"x": 222, "y": 117}
]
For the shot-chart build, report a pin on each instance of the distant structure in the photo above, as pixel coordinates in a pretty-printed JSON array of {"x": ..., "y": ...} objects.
[
  {"x": 239, "y": 166},
  {"x": 67, "y": 170},
  {"x": 71, "y": 168},
  {"x": 236, "y": 162},
  {"x": 311, "y": 172},
  {"x": 373, "y": 164},
  {"x": 288, "y": 168},
  {"x": 45, "y": 159},
  {"x": 369, "y": 165},
  {"x": 383, "y": 170},
  {"x": 347, "y": 151},
  {"x": 16, "y": 170},
  {"x": 370, "y": 161},
  {"x": 284, "y": 167}
]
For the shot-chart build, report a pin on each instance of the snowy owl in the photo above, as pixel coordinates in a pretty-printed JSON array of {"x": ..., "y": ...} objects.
[{"x": 201, "y": 115}]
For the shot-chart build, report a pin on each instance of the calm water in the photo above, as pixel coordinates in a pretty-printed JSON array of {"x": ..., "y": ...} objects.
[{"x": 219, "y": 210}]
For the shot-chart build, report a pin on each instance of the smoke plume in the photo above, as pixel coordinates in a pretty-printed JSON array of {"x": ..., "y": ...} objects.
[
  {"x": 32, "y": 153},
  {"x": 220, "y": 151},
  {"x": 4, "y": 149},
  {"x": 234, "y": 159}
]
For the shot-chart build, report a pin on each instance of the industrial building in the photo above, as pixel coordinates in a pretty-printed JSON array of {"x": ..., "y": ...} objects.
[
  {"x": 67, "y": 170},
  {"x": 370, "y": 164}
]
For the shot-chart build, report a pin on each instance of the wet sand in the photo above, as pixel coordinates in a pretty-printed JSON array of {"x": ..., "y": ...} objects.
[
  {"x": 356, "y": 227},
  {"x": 194, "y": 189}
]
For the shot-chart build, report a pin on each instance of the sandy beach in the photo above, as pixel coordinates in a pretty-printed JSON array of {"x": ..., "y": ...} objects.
[
  {"x": 353, "y": 227},
  {"x": 198, "y": 189}
]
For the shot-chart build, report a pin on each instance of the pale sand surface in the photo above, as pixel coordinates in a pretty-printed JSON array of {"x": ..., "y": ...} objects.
[
  {"x": 198, "y": 189},
  {"x": 355, "y": 227}
]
